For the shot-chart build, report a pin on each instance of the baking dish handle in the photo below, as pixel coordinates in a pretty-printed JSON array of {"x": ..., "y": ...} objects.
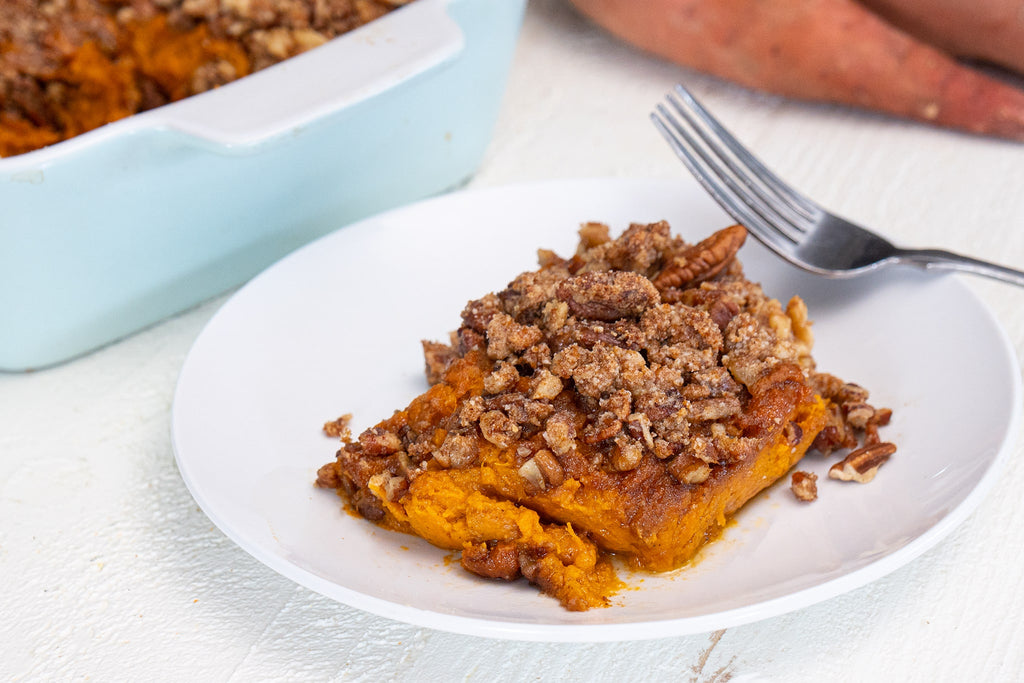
[{"x": 293, "y": 93}]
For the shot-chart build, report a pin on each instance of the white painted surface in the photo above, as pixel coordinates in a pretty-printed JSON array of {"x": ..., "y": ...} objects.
[{"x": 112, "y": 573}]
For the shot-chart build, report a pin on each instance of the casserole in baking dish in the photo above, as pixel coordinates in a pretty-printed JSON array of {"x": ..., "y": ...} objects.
[{"x": 115, "y": 229}]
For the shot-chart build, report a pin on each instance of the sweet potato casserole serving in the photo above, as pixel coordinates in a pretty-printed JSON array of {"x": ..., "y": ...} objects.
[
  {"x": 624, "y": 401},
  {"x": 68, "y": 66}
]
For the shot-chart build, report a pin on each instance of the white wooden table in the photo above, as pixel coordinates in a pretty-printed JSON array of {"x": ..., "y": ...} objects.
[{"x": 111, "y": 572}]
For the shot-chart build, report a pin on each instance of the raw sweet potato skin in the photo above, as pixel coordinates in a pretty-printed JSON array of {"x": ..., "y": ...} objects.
[
  {"x": 823, "y": 50},
  {"x": 986, "y": 30}
]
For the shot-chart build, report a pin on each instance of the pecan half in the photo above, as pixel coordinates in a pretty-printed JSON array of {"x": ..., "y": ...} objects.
[
  {"x": 703, "y": 260},
  {"x": 862, "y": 464}
]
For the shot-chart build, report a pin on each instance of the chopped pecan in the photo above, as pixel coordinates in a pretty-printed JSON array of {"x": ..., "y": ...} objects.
[
  {"x": 560, "y": 433},
  {"x": 498, "y": 429},
  {"x": 470, "y": 411},
  {"x": 722, "y": 311},
  {"x": 457, "y": 450},
  {"x": 793, "y": 433},
  {"x": 478, "y": 313},
  {"x": 504, "y": 376},
  {"x": 339, "y": 428},
  {"x": 529, "y": 560},
  {"x": 618, "y": 403},
  {"x": 663, "y": 450},
  {"x": 547, "y": 258},
  {"x": 626, "y": 454},
  {"x": 526, "y": 296},
  {"x": 638, "y": 425},
  {"x": 703, "y": 260},
  {"x": 530, "y": 471},
  {"x": 858, "y": 414},
  {"x": 796, "y": 309},
  {"x": 804, "y": 485},
  {"x": 545, "y": 386},
  {"x": 505, "y": 336},
  {"x": 851, "y": 393},
  {"x": 604, "y": 427},
  {"x": 591, "y": 235},
  {"x": 549, "y": 467},
  {"x": 825, "y": 384},
  {"x": 329, "y": 476},
  {"x": 436, "y": 357},
  {"x": 499, "y": 561},
  {"x": 623, "y": 333},
  {"x": 394, "y": 487},
  {"x": 537, "y": 356},
  {"x": 862, "y": 464},
  {"x": 714, "y": 408},
  {"x": 689, "y": 470},
  {"x": 608, "y": 295},
  {"x": 379, "y": 441},
  {"x": 553, "y": 315},
  {"x": 520, "y": 409},
  {"x": 836, "y": 434},
  {"x": 368, "y": 505},
  {"x": 542, "y": 470},
  {"x": 879, "y": 419}
]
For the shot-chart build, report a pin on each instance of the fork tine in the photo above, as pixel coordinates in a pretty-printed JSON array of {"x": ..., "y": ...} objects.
[
  {"x": 776, "y": 212},
  {"x": 800, "y": 203},
  {"x": 704, "y": 170},
  {"x": 790, "y": 218}
]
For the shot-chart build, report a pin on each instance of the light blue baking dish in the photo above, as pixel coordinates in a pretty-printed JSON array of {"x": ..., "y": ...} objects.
[{"x": 116, "y": 229}]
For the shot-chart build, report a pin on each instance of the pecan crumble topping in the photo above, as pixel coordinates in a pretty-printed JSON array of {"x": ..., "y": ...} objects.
[
  {"x": 625, "y": 400},
  {"x": 68, "y": 66}
]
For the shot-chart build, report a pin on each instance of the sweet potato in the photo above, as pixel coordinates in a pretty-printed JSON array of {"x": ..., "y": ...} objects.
[
  {"x": 824, "y": 50},
  {"x": 986, "y": 30}
]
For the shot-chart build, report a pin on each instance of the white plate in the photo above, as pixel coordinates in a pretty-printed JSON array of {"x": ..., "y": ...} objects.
[{"x": 301, "y": 344}]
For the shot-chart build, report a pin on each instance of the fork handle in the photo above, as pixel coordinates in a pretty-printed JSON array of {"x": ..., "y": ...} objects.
[{"x": 939, "y": 259}]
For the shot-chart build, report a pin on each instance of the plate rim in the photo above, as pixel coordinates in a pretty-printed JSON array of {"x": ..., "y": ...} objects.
[{"x": 607, "y": 632}]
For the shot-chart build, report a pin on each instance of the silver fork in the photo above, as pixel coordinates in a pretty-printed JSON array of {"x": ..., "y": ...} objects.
[{"x": 784, "y": 220}]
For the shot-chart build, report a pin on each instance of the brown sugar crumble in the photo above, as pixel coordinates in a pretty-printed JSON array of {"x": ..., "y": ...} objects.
[
  {"x": 339, "y": 428},
  {"x": 69, "y": 66},
  {"x": 623, "y": 401}
]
